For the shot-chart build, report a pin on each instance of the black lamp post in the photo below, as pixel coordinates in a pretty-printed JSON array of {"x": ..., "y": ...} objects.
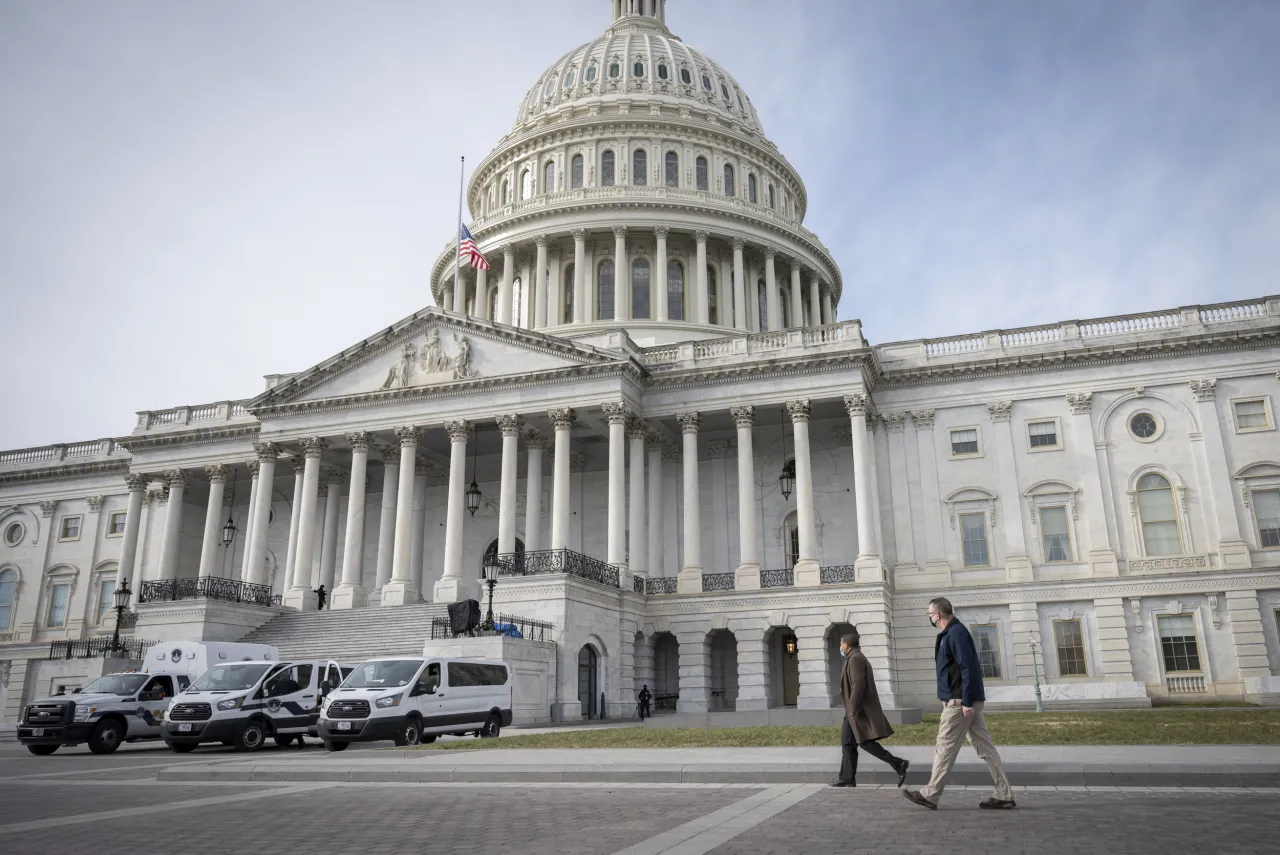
[
  {"x": 489, "y": 573},
  {"x": 122, "y": 603},
  {"x": 473, "y": 492},
  {"x": 787, "y": 480},
  {"x": 229, "y": 527}
]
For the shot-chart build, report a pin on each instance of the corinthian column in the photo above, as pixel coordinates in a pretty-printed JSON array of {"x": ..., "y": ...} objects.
[
  {"x": 797, "y": 303},
  {"x": 536, "y": 443},
  {"x": 815, "y": 300},
  {"x": 505, "y": 290},
  {"x": 212, "y": 520},
  {"x": 655, "y": 563},
  {"x": 807, "y": 568},
  {"x": 387, "y": 515},
  {"x": 700, "y": 303},
  {"x": 868, "y": 567},
  {"x": 300, "y": 596},
  {"x": 295, "y": 516},
  {"x": 748, "y": 572},
  {"x": 658, "y": 289},
  {"x": 563, "y": 421},
  {"x": 172, "y": 524},
  {"x": 739, "y": 287},
  {"x": 637, "y": 561},
  {"x": 137, "y": 485},
  {"x": 256, "y": 571},
  {"x": 451, "y": 588},
  {"x": 616, "y": 414},
  {"x": 690, "y": 580},
  {"x": 350, "y": 594},
  {"x": 540, "y": 301},
  {"x": 773, "y": 307},
  {"x": 333, "y": 478},
  {"x": 510, "y": 426},
  {"x": 400, "y": 591},
  {"x": 621, "y": 276},
  {"x": 579, "y": 277}
]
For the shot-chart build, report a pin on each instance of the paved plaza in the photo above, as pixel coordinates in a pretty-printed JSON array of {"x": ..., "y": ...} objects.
[{"x": 75, "y": 801}]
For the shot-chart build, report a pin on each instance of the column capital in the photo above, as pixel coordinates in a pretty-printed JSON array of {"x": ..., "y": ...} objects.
[
  {"x": 689, "y": 422},
  {"x": 458, "y": 430},
  {"x": 312, "y": 446},
  {"x": 895, "y": 422},
  {"x": 509, "y": 251},
  {"x": 719, "y": 448},
  {"x": 769, "y": 254},
  {"x": 95, "y": 502},
  {"x": 701, "y": 235},
  {"x": 217, "y": 473},
  {"x": 1080, "y": 402},
  {"x": 299, "y": 462},
  {"x": 922, "y": 419},
  {"x": 812, "y": 271},
  {"x": 47, "y": 507},
  {"x": 562, "y": 419},
  {"x": 266, "y": 450},
  {"x": 616, "y": 413},
  {"x": 535, "y": 438},
  {"x": 858, "y": 404},
  {"x": 359, "y": 441},
  {"x": 619, "y": 232},
  {"x": 799, "y": 410},
  {"x": 579, "y": 235},
  {"x": 1000, "y": 410},
  {"x": 738, "y": 244},
  {"x": 333, "y": 475},
  {"x": 743, "y": 417},
  {"x": 661, "y": 232},
  {"x": 135, "y": 482},
  {"x": 510, "y": 424},
  {"x": 408, "y": 435},
  {"x": 254, "y": 465},
  {"x": 422, "y": 467},
  {"x": 389, "y": 453},
  {"x": 175, "y": 477},
  {"x": 638, "y": 429},
  {"x": 1203, "y": 389}
]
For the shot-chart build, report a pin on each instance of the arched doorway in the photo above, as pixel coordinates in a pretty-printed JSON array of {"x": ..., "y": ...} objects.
[
  {"x": 784, "y": 666},
  {"x": 834, "y": 661},
  {"x": 666, "y": 672},
  {"x": 588, "y": 681},
  {"x": 724, "y": 670}
]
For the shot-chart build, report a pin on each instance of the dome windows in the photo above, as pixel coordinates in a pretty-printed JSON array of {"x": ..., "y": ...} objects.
[
  {"x": 706, "y": 81},
  {"x": 640, "y": 288},
  {"x": 568, "y": 79},
  {"x": 606, "y": 169},
  {"x": 663, "y": 71},
  {"x": 590, "y": 74},
  {"x": 549, "y": 177},
  {"x": 550, "y": 88},
  {"x": 700, "y": 173},
  {"x": 671, "y": 170},
  {"x": 639, "y": 167},
  {"x": 724, "y": 90},
  {"x": 728, "y": 179},
  {"x": 685, "y": 77},
  {"x": 575, "y": 172},
  {"x": 604, "y": 291},
  {"x": 751, "y": 188},
  {"x": 637, "y": 69},
  {"x": 526, "y": 185},
  {"x": 615, "y": 70}
]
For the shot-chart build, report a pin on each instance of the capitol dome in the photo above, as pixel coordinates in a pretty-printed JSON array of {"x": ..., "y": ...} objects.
[{"x": 636, "y": 189}]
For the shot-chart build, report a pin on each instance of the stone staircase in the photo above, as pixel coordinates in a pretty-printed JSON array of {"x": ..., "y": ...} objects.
[{"x": 350, "y": 635}]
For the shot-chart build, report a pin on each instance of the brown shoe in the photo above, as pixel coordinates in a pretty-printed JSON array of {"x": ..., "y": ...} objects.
[
  {"x": 914, "y": 796},
  {"x": 998, "y": 804}
]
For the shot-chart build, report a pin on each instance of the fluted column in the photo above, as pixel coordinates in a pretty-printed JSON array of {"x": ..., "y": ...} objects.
[
  {"x": 739, "y": 287},
  {"x": 250, "y": 517},
  {"x": 333, "y": 478},
  {"x": 754, "y": 322},
  {"x": 451, "y": 588},
  {"x": 659, "y": 279},
  {"x": 255, "y": 571},
  {"x": 691, "y": 572},
  {"x": 177, "y": 480},
  {"x": 579, "y": 279},
  {"x": 505, "y": 290},
  {"x": 418, "y": 533},
  {"x": 209, "y": 545},
  {"x": 460, "y": 291},
  {"x": 400, "y": 591},
  {"x": 621, "y": 276},
  {"x": 300, "y": 596},
  {"x": 137, "y": 485},
  {"x": 563, "y": 421},
  {"x": 807, "y": 567},
  {"x": 868, "y": 567},
  {"x": 701, "y": 304},
  {"x": 655, "y": 563},
  {"x": 797, "y": 301},
  {"x": 510, "y": 425},
  {"x": 748, "y": 571},
  {"x": 351, "y": 594},
  {"x": 480, "y": 304},
  {"x": 527, "y": 317},
  {"x": 387, "y": 519},
  {"x": 815, "y": 300},
  {"x": 637, "y": 560},
  {"x": 540, "y": 301},
  {"x": 535, "y": 443},
  {"x": 295, "y": 516},
  {"x": 616, "y": 414},
  {"x": 828, "y": 308},
  {"x": 773, "y": 306}
]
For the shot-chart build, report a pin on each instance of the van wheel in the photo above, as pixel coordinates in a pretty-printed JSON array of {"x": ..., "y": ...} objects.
[
  {"x": 428, "y": 738},
  {"x": 106, "y": 737},
  {"x": 336, "y": 746},
  {"x": 285, "y": 741},
  {"x": 410, "y": 733},
  {"x": 42, "y": 750},
  {"x": 183, "y": 747},
  {"x": 229, "y": 742},
  {"x": 252, "y": 737},
  {"x": 492, "y": 727}
]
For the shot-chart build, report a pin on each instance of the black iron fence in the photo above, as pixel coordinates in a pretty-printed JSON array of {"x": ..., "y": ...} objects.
[
  {"x": 511, "y": 626},
  {"x": 718, "y": 581},
  {"x": 205, "y": 588},
  {"x": 637, "y": 584},
  {"x": 98, "y": 648},
  {"x": 838, "y": 575},
  {"x": 666, "y": 703},
  {"x": 778, "y": 578},
  {"x": 665, "y": 585},
  {"x": 551, "y": 561}
]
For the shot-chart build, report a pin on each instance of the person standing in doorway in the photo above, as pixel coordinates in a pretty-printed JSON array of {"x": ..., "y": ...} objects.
[
  {"x": 644, "y": 698},
  {"x": 864, "y": 722},
  {"x": 321, "y": 597},
  {"x": 960, "y": 690}
]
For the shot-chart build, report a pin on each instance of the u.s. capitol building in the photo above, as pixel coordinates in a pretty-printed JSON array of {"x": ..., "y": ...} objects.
[{"x": 648, "y": 419}]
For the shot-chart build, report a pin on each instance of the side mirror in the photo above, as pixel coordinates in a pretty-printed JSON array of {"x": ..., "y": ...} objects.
[
  {"x": 75, "y": 692},
  {"x": 325, "y": 687}
]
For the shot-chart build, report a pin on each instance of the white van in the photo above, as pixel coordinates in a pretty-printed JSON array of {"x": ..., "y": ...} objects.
[
  {"x": 410, "y": 700},
  {"x": 245, "y": 703}
]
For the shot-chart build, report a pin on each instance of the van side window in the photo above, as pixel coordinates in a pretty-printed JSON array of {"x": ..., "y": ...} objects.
[
  {"x": 335, "y": 676},
  {"x": 286, "y": 681},
  {"x": 476, "y": 674},
  {"x": 163, "y": 683},
  {"x": 183, "y": 682},
  {"x": 429, "y": 682}
]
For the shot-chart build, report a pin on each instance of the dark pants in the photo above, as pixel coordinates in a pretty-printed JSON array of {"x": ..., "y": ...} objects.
[
  {"x": 644, "y": 710},
  {"x": 849, "y": 754}
]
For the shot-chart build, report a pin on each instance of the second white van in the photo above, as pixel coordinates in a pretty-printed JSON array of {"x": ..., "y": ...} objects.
[{"x": 411, "y": 699}]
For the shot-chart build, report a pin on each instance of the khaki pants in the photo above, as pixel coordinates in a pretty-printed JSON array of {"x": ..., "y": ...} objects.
[{"x": 952, "y": 732}]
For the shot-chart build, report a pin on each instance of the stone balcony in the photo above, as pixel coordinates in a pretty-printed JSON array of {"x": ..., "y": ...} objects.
[{"x": 185, "y": 418}]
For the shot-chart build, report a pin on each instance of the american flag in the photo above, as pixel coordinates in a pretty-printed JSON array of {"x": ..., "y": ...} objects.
[{"x": 471, "y": 252}]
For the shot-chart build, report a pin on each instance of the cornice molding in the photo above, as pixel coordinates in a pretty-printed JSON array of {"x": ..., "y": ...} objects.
[
  {"x": 66, "y": 473},
  {"x": 200, "y": 436}
]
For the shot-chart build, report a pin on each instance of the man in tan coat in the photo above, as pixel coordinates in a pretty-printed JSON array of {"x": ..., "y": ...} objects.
[{"x": 864, "y": 721}]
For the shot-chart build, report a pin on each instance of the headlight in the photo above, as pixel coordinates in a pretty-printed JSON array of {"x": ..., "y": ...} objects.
[
  {"x": 83, "y": 713},
  {"x": 231, "y": 703},
  {"x": 393, "y": 701}
]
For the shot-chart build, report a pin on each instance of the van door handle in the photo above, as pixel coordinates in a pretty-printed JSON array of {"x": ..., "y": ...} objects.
[
  {"x": 308, "y": 696},
  {"x": 440, "y": 695}
]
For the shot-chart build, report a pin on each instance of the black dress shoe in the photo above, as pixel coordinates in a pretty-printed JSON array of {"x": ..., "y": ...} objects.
[
  {"x": 842, "y": 784},
  {"x": 998, "y": 804},
  {"x": 902, "y": 772},
  {"x": 913, "y": 796}
]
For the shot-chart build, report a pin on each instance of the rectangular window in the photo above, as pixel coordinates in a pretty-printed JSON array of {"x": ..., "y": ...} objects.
[
  {"x": 1069, "y": 641},
  {"x": 1266, "y": 508},
  {"x": 106, "y": 599},
  {"x": 987, "y": 639},
  {"x": 1252, "y": 415},
  {"x": 973, "y": 537},
  {"x": 1159, "y": 522},
  {"x": 58, "y": 598},
  {"x": 70, "y": 529},
  {"x": 115, "y": 524},
  {"x": 964, "y": 442},
  {"x": 1178, "y": 643},
  {"x": 1053, "y": 528},
  {"x": 1043, "y": 434}
]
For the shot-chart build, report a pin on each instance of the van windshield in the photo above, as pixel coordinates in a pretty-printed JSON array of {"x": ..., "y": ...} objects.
[
  {"x": 229, "y": 678},
  {"x": 387, "y": 674},
  {"x": 115, "y": 684}
]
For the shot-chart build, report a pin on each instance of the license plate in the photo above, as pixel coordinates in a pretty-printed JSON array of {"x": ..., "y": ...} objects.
[
  {"x": 184, "y": 728},
  {"x": 344, "y": 725},
  {"x": 37, "y": 731}
]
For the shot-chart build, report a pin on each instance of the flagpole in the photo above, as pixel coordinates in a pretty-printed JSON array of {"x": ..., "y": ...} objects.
[{"x": 457, "y": 274}]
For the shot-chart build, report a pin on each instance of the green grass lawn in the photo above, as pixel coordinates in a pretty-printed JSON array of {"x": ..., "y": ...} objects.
[{"x": 1138, "y": 727}]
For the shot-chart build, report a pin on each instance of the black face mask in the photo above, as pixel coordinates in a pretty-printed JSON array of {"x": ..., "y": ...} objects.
[{"x": 933, "y": 621}]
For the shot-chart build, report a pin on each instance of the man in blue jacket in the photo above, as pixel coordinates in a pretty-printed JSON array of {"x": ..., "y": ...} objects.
[{"x": 960, "y": 690}]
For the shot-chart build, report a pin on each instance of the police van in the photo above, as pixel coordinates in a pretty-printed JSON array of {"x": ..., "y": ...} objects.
[
  {"x": 242, "y": 704},
  {"x": 410, "y": 700},
  {"x": 126, "y": 706}
]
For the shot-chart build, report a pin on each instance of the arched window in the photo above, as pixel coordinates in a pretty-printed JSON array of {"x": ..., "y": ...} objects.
[
  {"x": 568, "y": 79},
  {"x": 639, "y": 167},
  {"x": 8, "y": 593},
  {"x": 784, "y": 304},
  {"x": 751, "y": 188},
  {"x": 663, "y": 73},
  {"x": 791, "y": 532},
  {"x": 763, "y": 303},
  {"x": 526, "y": 185},
  {"x": 575, "y": 172},
  {"x": 615, "y": 70},
  {"x": 728, "y": 179},
  {"x": 549, "y": 177},
  {"x": 604, "y": 291},
  {"x": 637, "y": 69},
  {"x": 1158, "y": 515},
  {"x": 672, "y": 169},
  {"x": 700, "y": 172},
  {"x": 567, "y": 302},
  {"x": 606, "y": 169},
  {"x": 675, "y": 290},
  {"x": 106, "y": 598},
  {"x": 506, "y": 192},
  {"x": 493, "y": 304},
  {"x": 685, "y": 77},
  {"x": 713, "y": 313},
  {"x": 517, "y": 303},
  {"x": 640, "y": 288},
  {"x": 724, "y": 90},
  {"x": 770, "y": 197},
  {"x": 590, "y": 76},
  {"x": 706, "y": 82}
]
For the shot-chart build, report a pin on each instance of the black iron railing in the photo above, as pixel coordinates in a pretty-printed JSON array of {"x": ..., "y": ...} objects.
[
  {"x": 550, "y": 561},
  {"x": 205, "y": 588},
  {"x": 98, "y": 648},
  {"x": 128, "y": 620},
  {"x": 718, "y": 581},
  {"x": 665, "y": 585},
  {"x": 666, "y": 703},
  {"x": 778, "y": 578},
  {"x": 508, "y": 625},
  {"x": 637, "y": 584},
  {"x": 841, "y": 574}
]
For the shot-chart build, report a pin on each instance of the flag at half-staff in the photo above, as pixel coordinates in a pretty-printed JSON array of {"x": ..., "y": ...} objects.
[{"x": 467, "y": 249}]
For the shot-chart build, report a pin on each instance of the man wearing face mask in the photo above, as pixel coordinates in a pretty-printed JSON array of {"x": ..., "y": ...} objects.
[
  {"x": 960, "y": 690},
  {"x": 864, "y": 721}
]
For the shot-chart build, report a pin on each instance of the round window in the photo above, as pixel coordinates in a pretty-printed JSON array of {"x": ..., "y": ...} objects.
[
  {"x": 1143, "y": 425},
  {"x": 591, "y": 73},
  {"x": 614, "y": 69},
  {"x": 685, "y": 77},
  {"x": 13, "y": 534},
  {"x": 662, "y": 72}
]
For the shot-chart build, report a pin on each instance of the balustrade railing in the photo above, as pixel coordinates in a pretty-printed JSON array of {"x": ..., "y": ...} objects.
[
  {"x": 841, "y": 574},
  {"x": 950, "y": 346},
  {"x": 1188, "y": 685},
  {"x": 551, "y": 561},
  {"x": 98, "y": 648},
  {"x": 778, "y": 578},
  {"x": 1233, "y": 312},
  {"x": 718, "y": 581},
  {"x": 663, "y": 585},
  {"x": 204, "y": 588},
  {"x": 666, "y": 702},
  {"x": 511, "y": 626}
]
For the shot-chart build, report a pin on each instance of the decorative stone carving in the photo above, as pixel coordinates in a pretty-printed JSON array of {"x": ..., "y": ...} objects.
[
  {"x": 1135, "y": 608},
  {"x": 535, "y": 438},
  {"x": 1213, "y": 611},
  {"x": 1000, "y": 410},
  {"x": 422, "y": 467},
  {"x": 408, "y": 435},
  {"x": 719, "y": 448},
  {"x": 616, "y": 413},
  {"x": 1148, "y": 565},
  {"x": 266, "y": 450},
  {"x": 390, "y": 454},
  {"x": 458, "y": 430},
  {"x": 312, "y": 446},
  {"x": 843, "y": 434},
  {"x": 895, "y": 422},
  {"x": 217, "y": 473},
  {"x": 922, "y": 419},
  {"x": 743, "y": 417},
  {"x": 799, "y": 410},
  {"x": 577, "y": 462},
  {"x": 135, "y": 482},
  {"x": 1203, "y": 389},
  {"x": 402, "y": 369},
  {"x": 661, "y": 232},
  {"x": 359, "y": 440},
  {"x": 638, "y": 429},
  {"x": 95, "y": 502},
  {"x": 175, "y": 477},
  {"x": 670, "y": 452},
  {"x": 254, "y": 465},
  {"x": 619, "y": 232},
  {"x": 510, "y": 424},
  {"x": 562, "y": 419},
  {"x": 333, "y": 475},
  {"x": 1080, "y": 402},
  {"x": 578, "y": 234},
  {"x": 738, "y": 243},
  {"x": 701, "y": 236},
  {"x": 430, "y": 363},
  {"x": 689, "y": 422},
  {"x": 858, "y": 404},
  {"x": 299, "y": 462}
]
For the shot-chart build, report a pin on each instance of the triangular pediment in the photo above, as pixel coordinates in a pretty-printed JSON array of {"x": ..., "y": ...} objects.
[{"x": 434, "y": 349}]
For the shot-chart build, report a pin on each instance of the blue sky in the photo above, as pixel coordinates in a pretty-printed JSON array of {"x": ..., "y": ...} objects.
[{"x": 193, "y": 195}]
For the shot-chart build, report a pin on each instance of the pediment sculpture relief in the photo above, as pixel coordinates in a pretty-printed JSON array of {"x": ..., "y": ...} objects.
[{"x": 429, "y": 364}]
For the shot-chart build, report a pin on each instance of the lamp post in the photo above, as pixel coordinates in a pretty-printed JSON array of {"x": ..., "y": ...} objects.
[
  {"x": 489, "y": 573},
  {"x": 122, "y": 602},
  {"x": 1035, "y": 667},
  {"x": 473, "y": 492}
]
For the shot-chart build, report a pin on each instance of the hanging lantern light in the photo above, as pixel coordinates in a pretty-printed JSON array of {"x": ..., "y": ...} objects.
[
  {"x": 787, "y": 480},
  {"x": 229, "y": 527},
  {"x": 473, "y": 492}
]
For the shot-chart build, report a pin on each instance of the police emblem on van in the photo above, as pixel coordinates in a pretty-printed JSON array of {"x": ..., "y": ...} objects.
[
  {"x": 273, "y": 705},
  {"x": 176, "y": 655}
]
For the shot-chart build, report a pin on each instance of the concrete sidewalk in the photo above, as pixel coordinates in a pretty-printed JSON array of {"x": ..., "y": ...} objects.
[{"x": 1118, "y": 765}]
